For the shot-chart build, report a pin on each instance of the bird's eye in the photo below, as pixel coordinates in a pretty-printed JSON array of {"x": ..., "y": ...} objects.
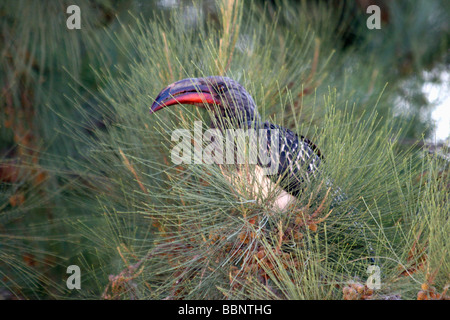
[{"x": 220, "y": 88}]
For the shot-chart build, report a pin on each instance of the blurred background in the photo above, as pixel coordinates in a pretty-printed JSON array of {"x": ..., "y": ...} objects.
[{"x": 54, "y": 82}]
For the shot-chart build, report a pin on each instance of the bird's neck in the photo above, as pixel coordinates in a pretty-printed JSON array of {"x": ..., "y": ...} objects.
[{"x": 244, "y": 121}]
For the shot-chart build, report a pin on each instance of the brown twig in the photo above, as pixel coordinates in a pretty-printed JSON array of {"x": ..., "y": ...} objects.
[
  {"x": 166, "y": 51},
  {"x": 130, "y": 167}
]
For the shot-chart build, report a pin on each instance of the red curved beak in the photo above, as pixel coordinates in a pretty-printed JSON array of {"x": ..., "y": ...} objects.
[{"x": 186, "y": 91}]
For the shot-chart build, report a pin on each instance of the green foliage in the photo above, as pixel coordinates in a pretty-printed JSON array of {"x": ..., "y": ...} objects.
[{"x": 96, "y": 185}]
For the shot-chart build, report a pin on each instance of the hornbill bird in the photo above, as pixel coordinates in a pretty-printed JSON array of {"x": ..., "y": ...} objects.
[{"x": 298, "y": 158}]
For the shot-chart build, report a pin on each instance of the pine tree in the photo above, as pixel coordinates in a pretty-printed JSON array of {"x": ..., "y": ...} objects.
[{"x": 87, "y": 176}]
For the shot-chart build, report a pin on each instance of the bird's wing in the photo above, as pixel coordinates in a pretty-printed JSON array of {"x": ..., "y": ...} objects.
[{"x": 298, "y": 158}]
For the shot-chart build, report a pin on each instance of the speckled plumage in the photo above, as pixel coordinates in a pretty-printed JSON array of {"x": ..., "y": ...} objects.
[{"x": 298, "y": 160}]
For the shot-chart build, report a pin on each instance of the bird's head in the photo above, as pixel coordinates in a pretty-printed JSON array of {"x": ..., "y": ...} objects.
[{"x": 223, "y": 96}]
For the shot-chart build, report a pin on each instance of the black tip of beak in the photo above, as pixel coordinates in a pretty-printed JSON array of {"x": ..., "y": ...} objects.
[{"x": 158, "y": 104}]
